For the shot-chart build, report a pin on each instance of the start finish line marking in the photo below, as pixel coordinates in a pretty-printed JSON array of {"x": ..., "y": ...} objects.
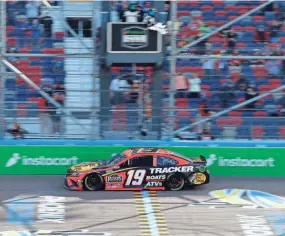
[{"x": 151, "y": 219}]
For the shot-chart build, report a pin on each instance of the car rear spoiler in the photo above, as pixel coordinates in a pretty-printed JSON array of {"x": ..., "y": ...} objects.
[{"x": 200, "y": 159}]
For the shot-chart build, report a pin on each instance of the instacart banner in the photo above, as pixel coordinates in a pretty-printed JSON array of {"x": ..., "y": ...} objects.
[{"x": 221, "y": 161}]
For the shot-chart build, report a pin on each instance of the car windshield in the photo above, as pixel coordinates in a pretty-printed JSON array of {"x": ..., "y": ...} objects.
[{"x": 115, "y": 159}]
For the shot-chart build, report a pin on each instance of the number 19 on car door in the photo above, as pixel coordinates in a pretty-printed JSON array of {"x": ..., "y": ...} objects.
[{"x": 135, "y": 178}]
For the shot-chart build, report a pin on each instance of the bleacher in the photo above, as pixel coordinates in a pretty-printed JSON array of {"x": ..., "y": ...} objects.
[
  {"x": 247, "y": 124},
  {"x": 21, "y": 100}
]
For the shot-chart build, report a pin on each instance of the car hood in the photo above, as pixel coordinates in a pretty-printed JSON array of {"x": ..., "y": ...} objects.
[{"x": 85, "y": 166}]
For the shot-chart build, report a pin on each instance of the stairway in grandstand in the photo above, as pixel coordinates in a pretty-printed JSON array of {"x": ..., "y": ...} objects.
[{"x": 79, "y": 75}]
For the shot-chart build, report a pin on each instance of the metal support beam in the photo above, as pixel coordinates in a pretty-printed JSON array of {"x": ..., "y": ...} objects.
[
  {"x": 224, "y": 26},
  {"x": 229, "y": 109},
  {"x": 172, "y": 69},
  {"x": 85, "y": 55},
  {"x": 40, "y": 91},
  {"x": 229, "y": 57},
  {"x": 96, "y": 68}
]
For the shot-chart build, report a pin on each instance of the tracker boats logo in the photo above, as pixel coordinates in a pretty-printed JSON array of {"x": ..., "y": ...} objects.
[
  {"x": 240, "y": 162},
  {"x": 41, "y": 161}
]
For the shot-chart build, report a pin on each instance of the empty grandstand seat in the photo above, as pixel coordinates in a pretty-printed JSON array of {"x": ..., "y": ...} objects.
[
  {"x": 257, "y": 132},
  {"x": 235, "y": 113},
  {"x": 282, "y": 132},
  {"x": 260, "y": 114},
  {"x": 233, "y": 121}
]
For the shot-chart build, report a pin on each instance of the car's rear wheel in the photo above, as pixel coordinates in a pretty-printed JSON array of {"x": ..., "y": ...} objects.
[
  {"x": 93, "y": 182},
  {"x": 175, "y": 182}
]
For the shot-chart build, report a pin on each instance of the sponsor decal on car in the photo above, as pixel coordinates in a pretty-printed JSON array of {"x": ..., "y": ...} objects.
[
  {"x": 254, "y": 225},
  {"x": 166, "y": 170},
  {"x": 114, "y": 179},
  {"x": 200, "y": 178},
  {"x": 156, "y": 177},
  {"x": 40, "y": 161},
  {"x": 153, "y": 184},
  {"x": 113, "y": 185}
]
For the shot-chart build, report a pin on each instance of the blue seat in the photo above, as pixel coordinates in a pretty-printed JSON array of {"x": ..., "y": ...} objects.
[
  {"x": 221, "y": 18},
  {"x": 218, "y": 8},
  {"x": 10, "y": 84},
  {"x": 281, "y": 34},
  {"x": 269, "y": 15},
  {"x": 33, "y": 110},
  {"x": 10, "y": 109},
  {"x": 271, "y": 131},
  {"x": 243, "y": 132}
]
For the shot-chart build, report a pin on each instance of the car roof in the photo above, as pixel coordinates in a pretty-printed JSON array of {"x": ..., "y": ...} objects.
[{"x": 146, "y": 150}]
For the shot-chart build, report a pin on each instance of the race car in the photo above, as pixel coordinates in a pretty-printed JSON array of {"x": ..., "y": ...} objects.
[{"x": 139, "y": 169}]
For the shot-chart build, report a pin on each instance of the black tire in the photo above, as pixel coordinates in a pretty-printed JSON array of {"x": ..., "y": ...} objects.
[
  {"x": 175, "y": 182},
  {"x": 93, "y": 182}
]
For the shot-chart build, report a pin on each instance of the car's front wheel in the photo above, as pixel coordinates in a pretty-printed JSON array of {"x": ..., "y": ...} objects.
[
  {"x": 93, "y": 182},
  {"x": 175, "y": 182}
]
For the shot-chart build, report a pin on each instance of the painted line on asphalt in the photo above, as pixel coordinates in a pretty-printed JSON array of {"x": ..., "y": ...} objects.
[{"x": 151, "y": 219}]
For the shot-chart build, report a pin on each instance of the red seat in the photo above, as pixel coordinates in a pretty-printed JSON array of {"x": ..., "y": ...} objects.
[
  {"x": 11, "y": 42},
  {"x": 24, "y": 50},
  {"x": 233, "y": 121},
  {"x": 276, "y": 81},
  {"x": 230, "y": 8},
  {"x": 257, "y": 132},
  {"x": 22, "y": 110},
  {"x": 220, "y": 13},
  {"x": 205, "y": 87},
  {"x": 260, "y": 71},
  {"x": 259, "y": 114},
  {"x": 240, "y": 45},
  {"x": 207, "y": 8},
  {"x": 59, "y": 34},
  {"x": 232, "y": 18},
  {"x": 264, "y": 88},
  {"x": 183, "y": 114},
  {"x": 282, "y": 132},
  {"x": 258, "y": 18},
  {"x": 183, "y": 13},
  {"x": 218, "y": 3},
  {"x": 249, "y": 28},
  {"x": 238, "y": 29},
  {"x": 235, "y": 113},
  {"x": 242, "y": 11}
]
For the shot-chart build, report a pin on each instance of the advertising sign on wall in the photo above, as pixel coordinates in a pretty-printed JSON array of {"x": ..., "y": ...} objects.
[{"x": 220, "y": 161}]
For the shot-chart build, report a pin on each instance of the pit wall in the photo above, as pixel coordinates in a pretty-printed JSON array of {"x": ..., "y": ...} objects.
[{"x": 232, "y": 158}]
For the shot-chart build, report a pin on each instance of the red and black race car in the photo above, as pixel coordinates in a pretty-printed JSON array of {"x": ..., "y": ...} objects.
[{"x": 138, "y": 169}]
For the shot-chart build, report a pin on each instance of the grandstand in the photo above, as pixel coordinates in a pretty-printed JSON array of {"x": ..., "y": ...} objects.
[{"x": 223, "y": 54}]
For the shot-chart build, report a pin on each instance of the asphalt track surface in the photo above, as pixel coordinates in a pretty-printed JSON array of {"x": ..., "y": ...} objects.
[{"x": 120, "y": 213}]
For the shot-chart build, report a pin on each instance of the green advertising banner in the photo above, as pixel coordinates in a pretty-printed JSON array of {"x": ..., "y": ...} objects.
[{"x": 53, "y": 160}]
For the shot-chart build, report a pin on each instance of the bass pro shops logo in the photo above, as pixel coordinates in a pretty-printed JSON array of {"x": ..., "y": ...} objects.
[
  {"x": 240, "y": 162},
  {"x": 40, "y": 161}
]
